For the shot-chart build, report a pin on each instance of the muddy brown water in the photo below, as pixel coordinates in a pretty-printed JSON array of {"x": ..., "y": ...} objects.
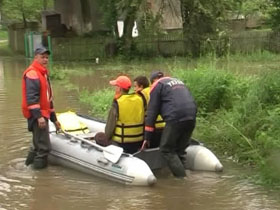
[{"x": 59, "y": 188}]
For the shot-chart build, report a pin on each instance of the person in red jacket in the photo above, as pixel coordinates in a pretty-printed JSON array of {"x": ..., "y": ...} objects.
[{"x": 37, "y": 107}]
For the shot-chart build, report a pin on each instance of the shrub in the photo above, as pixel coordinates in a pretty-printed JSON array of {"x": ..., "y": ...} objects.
[
  {"x": 99, "y": 101},
  {"x": 213, "y": 89}
]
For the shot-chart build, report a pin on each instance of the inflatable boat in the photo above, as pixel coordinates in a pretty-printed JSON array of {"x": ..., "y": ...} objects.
[{"x": 81, "y": 152}]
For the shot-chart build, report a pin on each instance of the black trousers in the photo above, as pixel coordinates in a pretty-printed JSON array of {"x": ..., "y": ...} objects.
[
  {"x": 130, "y": 148},
  {"x": 41, "y": 140},
  {"x": 174, "y": 140},
  {"x": 155, "y": 142}
]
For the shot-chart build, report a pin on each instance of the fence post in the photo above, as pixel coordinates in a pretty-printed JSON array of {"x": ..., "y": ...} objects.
[
  {"x": 26, "y": 44},
  {"x": 32, "y": 45},
  {"x": 50, "y": 49}
]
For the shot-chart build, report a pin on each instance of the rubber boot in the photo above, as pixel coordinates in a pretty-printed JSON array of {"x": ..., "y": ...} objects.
[
  {"x": 183, "y": 160},
  {"x": 40, "y": 163},
  {"x": 30, "y": 157},
  {"x": 175, "y": 164}
]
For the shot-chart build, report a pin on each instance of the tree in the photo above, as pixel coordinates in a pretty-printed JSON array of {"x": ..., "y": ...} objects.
[
  {"x": 127, "y": 11},
  {"x": 249, "y": 7},
  {"x": 275, "y": 15},
  {"x": 202, "y": 20},
  {"x": 23, "y": 10}
]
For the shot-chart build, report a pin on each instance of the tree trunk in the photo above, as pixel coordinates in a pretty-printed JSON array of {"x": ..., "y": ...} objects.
[
  {"x": 127, "y": 39},
  {"x": 24, "y": 20},
  {"x": 45, "y": 4},
  {"x": 191, "y": 38}
]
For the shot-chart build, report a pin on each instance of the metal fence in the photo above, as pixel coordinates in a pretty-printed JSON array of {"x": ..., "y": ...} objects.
[
  {"x": 78, "y": 48},
  {"x": 166, "y": 45}
]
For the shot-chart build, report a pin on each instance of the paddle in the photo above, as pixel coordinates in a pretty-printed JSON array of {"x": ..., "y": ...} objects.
[{"x": 111, "y": 152}]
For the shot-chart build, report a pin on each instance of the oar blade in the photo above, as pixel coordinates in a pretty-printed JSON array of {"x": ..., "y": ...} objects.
[{"x": 113, "y": 153}]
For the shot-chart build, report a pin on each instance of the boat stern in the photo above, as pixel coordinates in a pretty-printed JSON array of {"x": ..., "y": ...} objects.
[
  {"x": 201, "y": 158},
  {"x": 141, "y": 172}
]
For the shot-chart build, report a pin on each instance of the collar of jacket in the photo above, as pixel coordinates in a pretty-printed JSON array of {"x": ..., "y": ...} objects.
[
  {"x": 40, "y": 67},
  {"x": 156, "y": 82}
]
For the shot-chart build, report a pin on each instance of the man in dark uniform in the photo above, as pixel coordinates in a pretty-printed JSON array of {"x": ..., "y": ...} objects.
[{"x": 170, "y": 98}]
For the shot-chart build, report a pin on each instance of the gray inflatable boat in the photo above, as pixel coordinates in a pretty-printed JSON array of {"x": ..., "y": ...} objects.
[{"x": 88, "y": 157}]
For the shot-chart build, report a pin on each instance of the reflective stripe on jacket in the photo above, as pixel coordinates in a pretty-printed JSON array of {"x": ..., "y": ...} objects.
[
  {"x": 130, "y": 123},
  {"x": 42, "y": 94}
]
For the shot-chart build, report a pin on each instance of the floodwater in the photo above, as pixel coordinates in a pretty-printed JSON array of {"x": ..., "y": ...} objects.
[{"x": 59, "y": 188}]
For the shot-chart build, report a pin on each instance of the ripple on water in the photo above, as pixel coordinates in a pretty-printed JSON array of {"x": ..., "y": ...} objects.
[{"x": 3, "y": 96}]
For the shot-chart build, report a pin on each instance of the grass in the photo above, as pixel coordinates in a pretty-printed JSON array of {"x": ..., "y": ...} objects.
[
  {"x": 100, "y": 101},
  {"x": 3, "y": 34}
]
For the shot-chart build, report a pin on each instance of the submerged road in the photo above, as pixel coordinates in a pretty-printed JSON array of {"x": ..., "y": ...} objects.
[{"x": 58, "y": 188}]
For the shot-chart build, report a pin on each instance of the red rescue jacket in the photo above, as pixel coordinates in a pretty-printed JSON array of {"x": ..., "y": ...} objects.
[{"x": 37, "y": 72}]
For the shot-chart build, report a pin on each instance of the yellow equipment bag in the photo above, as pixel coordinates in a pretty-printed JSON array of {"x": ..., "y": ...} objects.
[{"x": 70, "y": 122}]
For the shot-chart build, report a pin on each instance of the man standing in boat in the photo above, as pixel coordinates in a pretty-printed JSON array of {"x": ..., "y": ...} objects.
[
  {"x": 170, "y": 98},
  {"x": 125, "y": 122},
  {"x": 37, "y": 107}
]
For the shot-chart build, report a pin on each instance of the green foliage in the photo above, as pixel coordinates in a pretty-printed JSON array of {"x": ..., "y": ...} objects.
[
  {"x": 270, "y": 169},
  {"x": 250, "y": 128},
  {"x": 211, "y": 88},
  {"x": 202, "y": 20},
  {"x": 23, "y": 10},
  {"x": 267, "y": 89},
  {"x": 110, "y": 14},
  {"x": 99, "y": 101},
  {"x": 58, "y": 74},
  {"x": 249, "y": 7},
  {"x": 275, "y": 15},
  {"x": 3, "y": 35}
]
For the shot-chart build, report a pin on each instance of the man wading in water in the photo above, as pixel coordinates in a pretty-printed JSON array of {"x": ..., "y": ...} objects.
[
  {"x": 37, "y": 107},
  {"x": 170, "y": 98}
]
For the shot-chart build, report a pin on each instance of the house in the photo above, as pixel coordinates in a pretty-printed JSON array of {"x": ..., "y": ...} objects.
[
  {"x": 85, "y": 16},
  {"x": 81, "y": 17}
]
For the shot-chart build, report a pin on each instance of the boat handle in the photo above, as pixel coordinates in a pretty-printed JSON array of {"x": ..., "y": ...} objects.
[{"x": 103, "y": 161}]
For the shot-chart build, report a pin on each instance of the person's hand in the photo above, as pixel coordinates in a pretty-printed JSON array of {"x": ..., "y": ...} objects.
[
  {"x": 42, "y": 122},
  {"x": 146, "y": 144},
  {"x": 57, "y": 125}
]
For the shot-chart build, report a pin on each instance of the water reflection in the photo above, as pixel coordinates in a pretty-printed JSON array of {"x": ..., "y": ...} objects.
[{"x": 59, "y": 188}]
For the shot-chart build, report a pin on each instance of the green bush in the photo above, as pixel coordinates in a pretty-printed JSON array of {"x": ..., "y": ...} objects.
[
  {"x": 100, "y": 101},
  {"x": 213, "y": 89}
]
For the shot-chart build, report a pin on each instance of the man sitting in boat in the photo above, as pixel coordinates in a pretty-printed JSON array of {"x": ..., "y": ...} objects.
[
  {"x": 142, "y": 87},
  {"x": 125, "y": 122}
]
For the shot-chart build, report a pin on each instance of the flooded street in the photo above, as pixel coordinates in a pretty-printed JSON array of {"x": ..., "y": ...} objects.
[{"x": 58, "y": 188}]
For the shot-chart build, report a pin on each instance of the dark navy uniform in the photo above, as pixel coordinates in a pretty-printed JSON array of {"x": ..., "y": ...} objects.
[{"x": 170, "y": 98}]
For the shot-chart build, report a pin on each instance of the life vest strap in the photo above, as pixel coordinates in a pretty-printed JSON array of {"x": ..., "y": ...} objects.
[
  {"x": 129, "y": 136},
  {"x": 130, "y": 126}
]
